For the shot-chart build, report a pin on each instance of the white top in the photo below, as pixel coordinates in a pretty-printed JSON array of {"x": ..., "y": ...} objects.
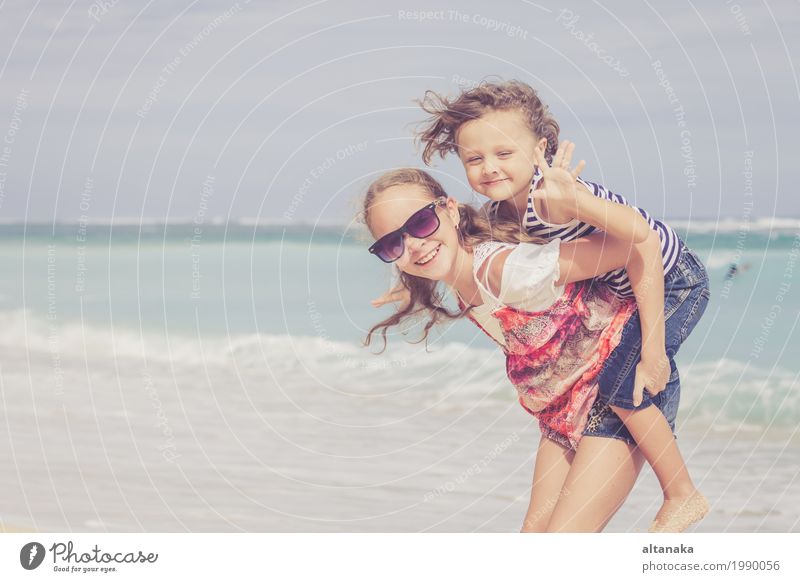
[{"x": 528, "y": 282}]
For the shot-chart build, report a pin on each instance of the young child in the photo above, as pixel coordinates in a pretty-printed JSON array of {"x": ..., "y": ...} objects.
[{"x": 504, "y": 136}]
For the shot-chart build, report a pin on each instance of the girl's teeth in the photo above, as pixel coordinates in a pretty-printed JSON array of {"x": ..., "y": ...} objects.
[{"x": 428, "y": 257}]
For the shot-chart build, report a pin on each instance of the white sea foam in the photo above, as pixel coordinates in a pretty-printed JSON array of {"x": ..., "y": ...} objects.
[
  {"x": 725, "y": 393},
  {"x": 734, "y": 225},
  {"x": 734, "y": 395}
]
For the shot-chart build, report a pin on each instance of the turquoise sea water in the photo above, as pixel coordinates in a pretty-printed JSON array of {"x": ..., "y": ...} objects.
[
  {"x": 161, "y": 378},
  {"x": 313, "y": 284}
]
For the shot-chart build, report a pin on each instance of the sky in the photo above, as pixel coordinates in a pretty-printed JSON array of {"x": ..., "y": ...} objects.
[{"x": 284, "y": 111}]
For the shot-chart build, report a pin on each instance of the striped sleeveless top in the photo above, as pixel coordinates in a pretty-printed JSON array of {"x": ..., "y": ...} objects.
[{"x": 617, "y": 280}]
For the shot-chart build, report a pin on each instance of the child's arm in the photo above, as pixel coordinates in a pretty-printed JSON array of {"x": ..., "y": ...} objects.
[
  {"x": 645, "y": 267},
  {"x": 578, "y": 260},
  {"x": 568, "y": 199},
  {"x": 646, "y": 274}
]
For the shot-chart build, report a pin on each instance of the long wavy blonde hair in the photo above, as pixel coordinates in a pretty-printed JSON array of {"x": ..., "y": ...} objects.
[{"x": 426, "y": 295}]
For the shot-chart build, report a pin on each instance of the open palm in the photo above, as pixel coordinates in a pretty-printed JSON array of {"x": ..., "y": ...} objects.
[{"x": 559, "y": 186}]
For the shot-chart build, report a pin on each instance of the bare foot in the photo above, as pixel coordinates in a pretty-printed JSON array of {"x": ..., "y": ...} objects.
[{"x": 676, "y": 515}]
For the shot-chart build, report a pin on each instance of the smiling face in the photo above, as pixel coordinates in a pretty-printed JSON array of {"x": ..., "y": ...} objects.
[
  {"x": 497, "y": 153},
  {"x": 434, "y": 257}
]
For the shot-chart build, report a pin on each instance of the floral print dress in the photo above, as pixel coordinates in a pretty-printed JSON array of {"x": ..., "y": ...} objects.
[{"x": 556, "y": 339}]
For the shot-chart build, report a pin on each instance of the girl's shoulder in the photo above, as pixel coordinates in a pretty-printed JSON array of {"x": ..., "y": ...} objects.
[
  {"x": 530, "y": 255},
  {"x": 526, "y": 276},
  {"x": 532, "y": 263},
  {"x": 513, "y": 274},
  {"x": 484, "y": 250}
]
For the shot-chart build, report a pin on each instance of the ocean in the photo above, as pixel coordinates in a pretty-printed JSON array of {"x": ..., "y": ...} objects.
[{"x": 182, "y": 377}]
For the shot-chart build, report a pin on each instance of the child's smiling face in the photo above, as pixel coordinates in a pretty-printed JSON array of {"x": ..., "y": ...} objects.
[{"x": 497, "y": 153}]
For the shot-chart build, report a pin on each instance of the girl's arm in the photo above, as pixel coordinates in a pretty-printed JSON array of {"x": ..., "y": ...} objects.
[
  {"x": 591, "y": 256},
  {"x": 578, "y": 260},
  {"x": 397, "y": 294}
]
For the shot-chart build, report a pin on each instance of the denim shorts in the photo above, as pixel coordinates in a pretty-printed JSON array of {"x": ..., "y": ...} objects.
[{"x": 686, "y": 295}]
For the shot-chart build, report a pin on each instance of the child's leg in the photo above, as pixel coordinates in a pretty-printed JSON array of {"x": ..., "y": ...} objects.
[
  {"x": 553, "y": 461},
  {"x": 653, "y": 435},
  {"x": 685, "y": 300},
  {"x": 683, "y": 504},
  {"x": 646, "y": 425}
]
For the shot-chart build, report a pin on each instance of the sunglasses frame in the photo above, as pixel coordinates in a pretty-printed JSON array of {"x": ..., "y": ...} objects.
[{"x": 439, "y": 201}]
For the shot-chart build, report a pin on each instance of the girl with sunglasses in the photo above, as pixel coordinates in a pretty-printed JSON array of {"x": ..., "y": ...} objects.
[{"x": 557, "y": 328}]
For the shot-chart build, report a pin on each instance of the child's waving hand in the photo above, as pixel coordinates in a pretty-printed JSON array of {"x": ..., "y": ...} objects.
[{"x": 559, "y": 187}]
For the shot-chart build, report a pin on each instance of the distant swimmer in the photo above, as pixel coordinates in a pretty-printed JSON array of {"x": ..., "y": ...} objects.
[{"x": 734, "y": 269}]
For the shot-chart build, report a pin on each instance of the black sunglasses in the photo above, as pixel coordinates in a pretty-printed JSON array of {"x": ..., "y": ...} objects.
[{"x": 423, "y": 223}]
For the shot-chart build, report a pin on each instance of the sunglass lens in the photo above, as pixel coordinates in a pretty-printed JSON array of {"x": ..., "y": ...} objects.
[
  {"x": 390, "y": 247},
  {"x": 423, "y": 223}
]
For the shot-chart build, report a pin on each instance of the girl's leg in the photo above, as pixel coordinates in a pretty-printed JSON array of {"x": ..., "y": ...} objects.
[
  {"x": 683, "y": 504},
  {"x": 602, "y": 475},
  {"x": 550, "y": 470}
]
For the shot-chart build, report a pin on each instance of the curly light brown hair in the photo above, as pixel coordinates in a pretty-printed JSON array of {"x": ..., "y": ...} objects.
[
  {"x": 438, "y": 133},
  {"x": 426, "y": 295}
]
